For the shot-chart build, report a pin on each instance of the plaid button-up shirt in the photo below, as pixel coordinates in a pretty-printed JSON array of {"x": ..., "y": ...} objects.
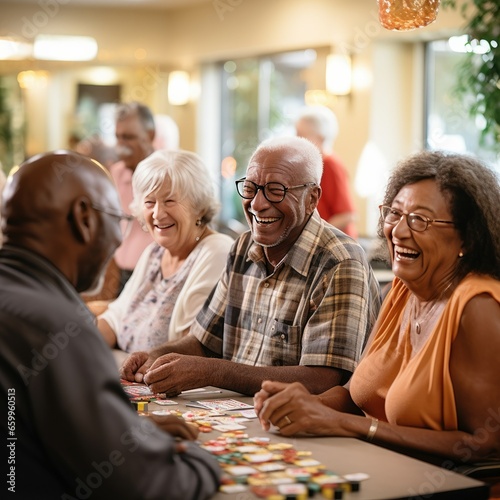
[{"x": 317, "y": 307}]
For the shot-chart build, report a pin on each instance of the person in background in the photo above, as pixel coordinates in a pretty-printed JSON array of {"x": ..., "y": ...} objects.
[
  {"x": 319, "y": 125},
  {"x": 295, "y": 301},
  {"x": 428, "y": 381},
  {"x": 77, "y": 436},
  {"x": 135, "y": 133},
  {"x": 175, "y": 200}
]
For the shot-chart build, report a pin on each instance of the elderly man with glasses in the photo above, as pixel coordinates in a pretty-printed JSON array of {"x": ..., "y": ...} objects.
[{"x": 295, "y": 302}]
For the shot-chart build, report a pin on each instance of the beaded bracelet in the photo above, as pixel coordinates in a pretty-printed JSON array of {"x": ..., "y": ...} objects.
[{"x": 372, "y": 430}]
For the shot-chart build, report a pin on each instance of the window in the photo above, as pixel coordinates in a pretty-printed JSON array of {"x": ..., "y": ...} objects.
[{"x": 448, "y": 123}]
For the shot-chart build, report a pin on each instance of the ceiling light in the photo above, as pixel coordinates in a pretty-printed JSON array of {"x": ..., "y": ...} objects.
[
  {"x": 11, "y": 49},
  {"x": 65, "y": 48}
]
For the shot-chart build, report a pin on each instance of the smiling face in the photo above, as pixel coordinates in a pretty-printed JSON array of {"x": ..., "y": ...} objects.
[
  {"x": 171, "y": 220},
  {"x": 426, "y": 260},
  {"x": 276, "y": 226}
]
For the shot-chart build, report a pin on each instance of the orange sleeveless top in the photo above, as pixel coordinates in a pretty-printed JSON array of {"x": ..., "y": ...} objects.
[{"x": 417, "y": 391}]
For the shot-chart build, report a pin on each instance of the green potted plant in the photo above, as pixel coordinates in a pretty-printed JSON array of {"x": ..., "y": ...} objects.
[{"x": 479, "y": 74}]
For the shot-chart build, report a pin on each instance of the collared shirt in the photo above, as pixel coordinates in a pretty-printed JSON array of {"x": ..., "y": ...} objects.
[{"x": 317, "y": 307}]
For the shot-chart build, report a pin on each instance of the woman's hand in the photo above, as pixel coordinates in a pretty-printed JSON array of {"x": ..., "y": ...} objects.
[{"x": 292, "y": 409}]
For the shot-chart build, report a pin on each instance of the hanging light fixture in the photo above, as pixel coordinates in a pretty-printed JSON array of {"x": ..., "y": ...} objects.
[{"x": 405, "y": 15}]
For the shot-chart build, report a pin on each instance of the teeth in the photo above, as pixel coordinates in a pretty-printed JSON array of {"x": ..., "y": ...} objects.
[
  {"x": 266, "y": 220},
  {"x": 407, "y": 251}
]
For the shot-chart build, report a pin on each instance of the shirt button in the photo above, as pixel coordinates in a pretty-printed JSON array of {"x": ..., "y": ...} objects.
[
  {"x": 266, "y": 285},
  {"x": 259, "y": 321},
  {"x": 283, "y": 336}
]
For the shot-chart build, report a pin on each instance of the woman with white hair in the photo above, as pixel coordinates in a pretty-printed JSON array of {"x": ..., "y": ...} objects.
[{"x": 174, "y": 200}]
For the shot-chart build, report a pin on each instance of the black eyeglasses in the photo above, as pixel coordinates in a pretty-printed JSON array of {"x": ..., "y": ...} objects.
[
  {"x": 416, "y": 222},
  {"x": 125, "y": 219},
  {"x": 273, "y": 191}
]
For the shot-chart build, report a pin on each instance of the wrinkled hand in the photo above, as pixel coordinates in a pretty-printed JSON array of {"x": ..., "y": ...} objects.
[
  {"x": 176, "y": 426},
  {"x": 135, "y": 366},
  {"x": 293, "y": 409},
  {"x": 173, "y": 373}
]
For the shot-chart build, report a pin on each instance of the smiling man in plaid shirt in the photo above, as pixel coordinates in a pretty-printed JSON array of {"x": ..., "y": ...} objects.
[{"x": 296, "y": 300}]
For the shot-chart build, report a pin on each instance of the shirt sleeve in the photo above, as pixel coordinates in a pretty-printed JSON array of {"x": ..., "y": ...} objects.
[
  {"x": 336, "y": 331},
  {"x": 202, "y": 278}
]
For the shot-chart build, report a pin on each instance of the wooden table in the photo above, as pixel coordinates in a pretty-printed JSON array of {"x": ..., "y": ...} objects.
[{"x": 392, "y": 475}]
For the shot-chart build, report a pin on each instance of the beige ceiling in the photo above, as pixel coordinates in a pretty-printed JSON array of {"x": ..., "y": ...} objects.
[{"x": 157, "y": 4}]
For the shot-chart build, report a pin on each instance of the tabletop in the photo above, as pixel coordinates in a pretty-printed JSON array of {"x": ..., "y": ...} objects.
[{"x": 391, "y": 475}]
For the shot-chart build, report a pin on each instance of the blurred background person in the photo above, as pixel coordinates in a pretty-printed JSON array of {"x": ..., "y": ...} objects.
[
  {"x": 319, "y": 124},
  {"x": 135, "y": 133},
  {"x": 175, "y": 201},
  {"x": 166, "y": 133}
]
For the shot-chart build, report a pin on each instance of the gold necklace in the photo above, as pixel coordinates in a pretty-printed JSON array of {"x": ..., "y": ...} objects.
[{"x": 418, "y": 321}]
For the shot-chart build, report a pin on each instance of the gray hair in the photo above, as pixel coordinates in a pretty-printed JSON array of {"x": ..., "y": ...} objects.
[
  {"x": 144, "y": 114},
  {"x": 323, "y": 122},
  {"x": 188, "y": 176},
  {"x": 473, "y": 194},
  {"x": 298, "y": 151}
]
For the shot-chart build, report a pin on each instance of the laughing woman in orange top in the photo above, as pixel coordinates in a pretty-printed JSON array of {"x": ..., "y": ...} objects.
[{"x": 427, "y": 384}]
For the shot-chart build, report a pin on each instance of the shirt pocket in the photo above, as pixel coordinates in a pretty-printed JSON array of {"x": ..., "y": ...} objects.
[{"x": 285, "y": 342}]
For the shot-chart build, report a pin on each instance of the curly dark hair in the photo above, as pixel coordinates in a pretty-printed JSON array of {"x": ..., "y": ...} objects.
[{"x": 473, "y": 193}]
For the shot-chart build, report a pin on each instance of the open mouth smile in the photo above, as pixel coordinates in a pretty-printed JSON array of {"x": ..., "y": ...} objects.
[
  {"x": 265, "y": 220},
  {"x": 408, "y": 254}
]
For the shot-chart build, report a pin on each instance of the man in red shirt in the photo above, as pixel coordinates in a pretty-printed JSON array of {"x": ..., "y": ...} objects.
[{"x": 336, "y": 206}]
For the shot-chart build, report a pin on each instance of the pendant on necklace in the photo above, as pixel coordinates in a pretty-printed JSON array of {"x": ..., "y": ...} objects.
[{"x": 417, "y": 327}]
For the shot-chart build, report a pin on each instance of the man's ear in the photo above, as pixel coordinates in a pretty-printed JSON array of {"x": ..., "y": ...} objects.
[
  {"x": 82, "y": 219},
  {"x": 313, "y": 200}
]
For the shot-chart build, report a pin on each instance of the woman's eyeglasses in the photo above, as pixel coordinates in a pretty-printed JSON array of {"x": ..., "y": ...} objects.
[{"x": 416, "y": 222}]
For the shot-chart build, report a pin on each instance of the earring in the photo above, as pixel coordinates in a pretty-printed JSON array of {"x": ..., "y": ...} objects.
[
  {"x": 198, "y": 222},
  {"x": 461, "y": 254}
]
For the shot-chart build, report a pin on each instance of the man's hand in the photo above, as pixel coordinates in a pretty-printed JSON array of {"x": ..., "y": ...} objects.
[
  {"x": 135, "y": 366},
  {"x": 173, "y": 373},
  {"x": 176, "y": 426}
]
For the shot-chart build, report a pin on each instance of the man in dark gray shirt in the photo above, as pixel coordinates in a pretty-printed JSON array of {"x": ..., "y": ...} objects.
[{"x": 70, "y": 430}]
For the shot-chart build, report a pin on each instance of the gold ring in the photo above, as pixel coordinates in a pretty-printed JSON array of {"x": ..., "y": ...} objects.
[{"x": 286, "y": 418}]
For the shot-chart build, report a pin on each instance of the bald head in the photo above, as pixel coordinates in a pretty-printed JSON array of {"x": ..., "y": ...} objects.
[
  {"x": 298, "y": 153},
  {"x": 48, "y": 208}
]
